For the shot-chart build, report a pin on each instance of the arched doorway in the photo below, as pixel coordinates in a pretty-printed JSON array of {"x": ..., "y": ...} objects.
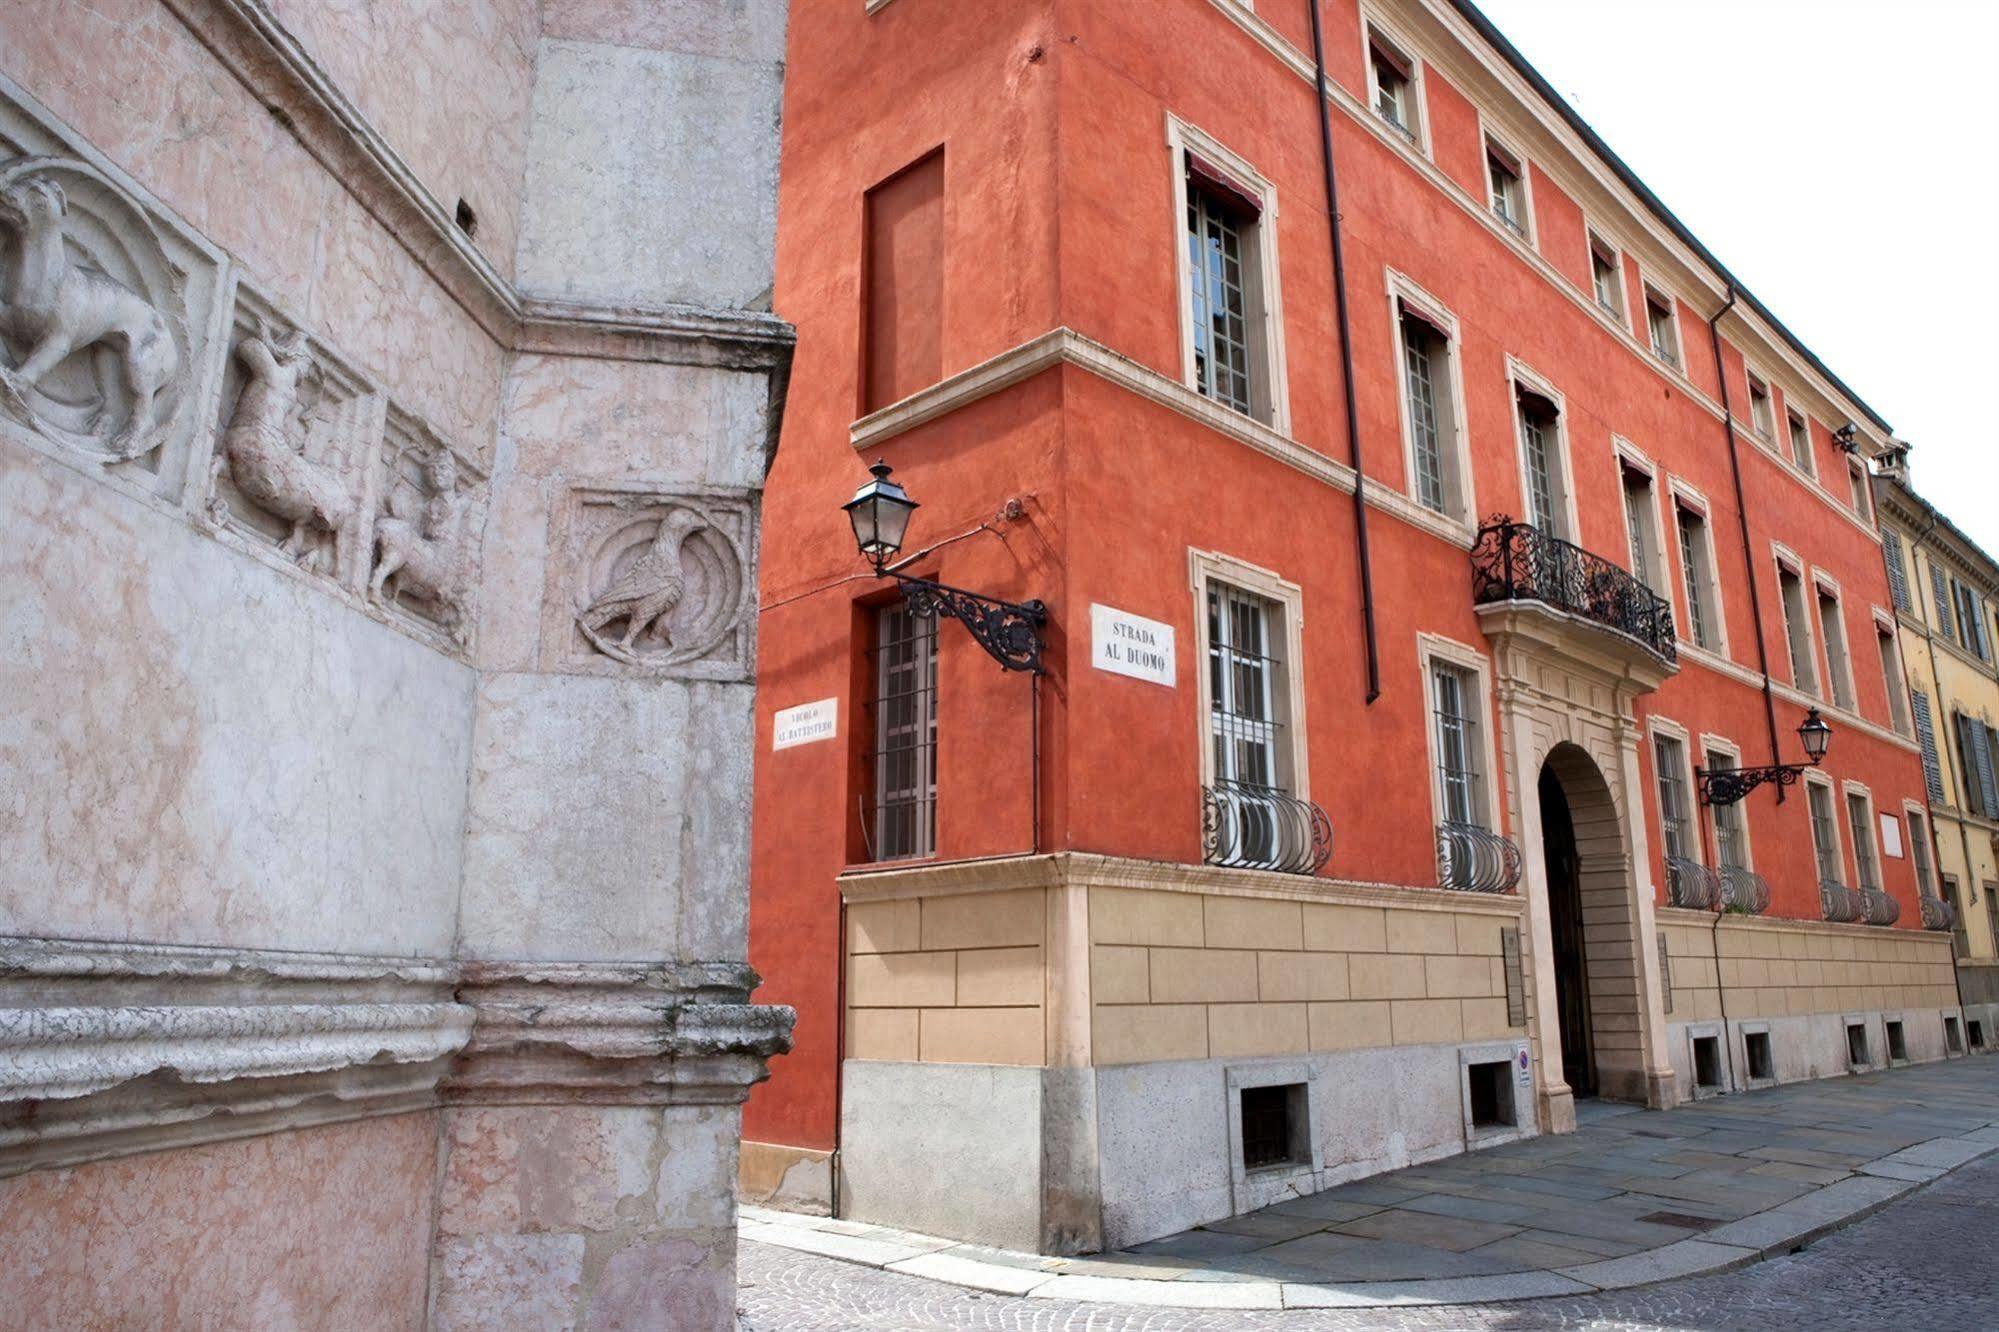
[{"x": 1593, "y": 927}]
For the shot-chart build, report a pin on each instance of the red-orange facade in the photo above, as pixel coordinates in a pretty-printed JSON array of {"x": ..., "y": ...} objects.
[{"x": 983, "y": 242}]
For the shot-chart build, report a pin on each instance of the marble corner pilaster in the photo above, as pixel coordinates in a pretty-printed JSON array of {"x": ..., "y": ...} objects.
[{"x": 597, "y": 1033}]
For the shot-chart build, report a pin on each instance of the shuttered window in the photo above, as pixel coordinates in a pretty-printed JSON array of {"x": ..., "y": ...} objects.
[
  {"x": 1898, "y": 574},
  {"x": 1941, "y": 592},
  {"x": 1976, "y": 742},
  {"x": 1927, "y": 736}
]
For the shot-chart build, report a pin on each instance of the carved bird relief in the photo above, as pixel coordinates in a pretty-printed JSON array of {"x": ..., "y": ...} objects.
[{"x": 645, "y": 594}]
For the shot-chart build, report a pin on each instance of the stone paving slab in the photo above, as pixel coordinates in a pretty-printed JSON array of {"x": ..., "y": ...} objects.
[{"x": 1632, "y": 1198}]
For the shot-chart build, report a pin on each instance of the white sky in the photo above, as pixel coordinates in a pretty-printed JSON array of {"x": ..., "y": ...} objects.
[{"x": 1842, "y": 158}]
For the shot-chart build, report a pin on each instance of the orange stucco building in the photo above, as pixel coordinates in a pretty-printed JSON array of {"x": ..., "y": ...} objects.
[{"x": 1397, "y": 585}]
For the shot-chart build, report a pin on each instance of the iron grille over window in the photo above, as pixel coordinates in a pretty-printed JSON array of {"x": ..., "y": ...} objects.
[
  {"x": 1458, "y": 747},
  {"x": 1859, "y": 817},
  {"x": 1728, "y": 828},
  {"x": 1670, "y": 760},
  {"x": 1519, "y": 562},
  {"x": 1221, "y": 308},
  {"x": 903, "y": 821},
  {"x": 1825, "y": 835}
]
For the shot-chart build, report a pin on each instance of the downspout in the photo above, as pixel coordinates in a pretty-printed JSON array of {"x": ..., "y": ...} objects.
[
  {"x": 1711, "y": 839},
  {"x": 1742, "y": 518},
  {"x": 1324, "y": 117}
]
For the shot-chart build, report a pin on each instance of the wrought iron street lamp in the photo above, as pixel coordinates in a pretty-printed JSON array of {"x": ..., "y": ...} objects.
[
  {"x": 1010, "y": 632},
  {"x": 1726, "y": 786}
]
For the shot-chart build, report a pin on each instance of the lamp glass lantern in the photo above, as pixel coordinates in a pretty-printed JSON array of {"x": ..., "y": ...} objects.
[
  {"x": 1815, "y": 735},
  {"x": 880, "y": 512}
]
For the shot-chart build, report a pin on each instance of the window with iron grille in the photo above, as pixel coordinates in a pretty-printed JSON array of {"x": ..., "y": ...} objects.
[
  {"x": 1432, "y": 448},
  {"x": 1669, "y": 757},
  {"x": 1860, "y": 822},
  {"x": 1459, "y": 770},
  {"x": 1730, "y": 840},
  {"x": 1218, "y": 286},
  {"x": 1801, "y": 443},
  {"x": 903, "y": 822},
  {"x": 1247, "y": 686},
  {"x": 1838, "y": 665},
  {"x": 1540, "y": 451},
  {"x": 1701, "y": 620},
  {"x": 1926, "y": 736},
  {"x": 1825, "y": 834},
  {"x": 1919, "y": 853}
]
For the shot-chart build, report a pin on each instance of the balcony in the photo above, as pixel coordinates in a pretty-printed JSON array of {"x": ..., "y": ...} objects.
[
  {"x": 1259, "y": 827},
  {"x": 1518, "y": 563},
  {"x": 1839, "y": 903},
  {"x": 1937, "y": 914},
  {"x": 1744, "y": 891},
  {"x": 1472, "y": 859},
  {"x": 1877, "y": 908},
  {"x": 1692, "y": 885}
]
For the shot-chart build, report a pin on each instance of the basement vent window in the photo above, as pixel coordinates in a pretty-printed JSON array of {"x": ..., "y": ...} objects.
[
  {"x": 1976, "y": 1030},
  {"x": 1756, "y": 1049},
  {"x": 1707, "y": 1063},
  {"x": 1952, "y": 1040},
  {"x": 1273, "y": 1126},
  {"x": 468, "y": 221},
  {"x": 1898, "y": 1049},
  {"x": 1491, "y": 1094},
  {"x": 1856, "y": 1045}
]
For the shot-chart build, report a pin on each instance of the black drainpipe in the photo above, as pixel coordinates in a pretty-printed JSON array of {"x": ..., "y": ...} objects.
[
  {"x": 1742, "y": 517},
  {"x": 1346, "y": 362}
]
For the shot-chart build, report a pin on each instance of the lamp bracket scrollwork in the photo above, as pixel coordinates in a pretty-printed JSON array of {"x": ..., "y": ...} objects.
[{"x": 1010, "y": 632}]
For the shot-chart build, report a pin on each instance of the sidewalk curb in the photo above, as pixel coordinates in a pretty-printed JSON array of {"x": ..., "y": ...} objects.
[{"x": 1753, "y": 1239}]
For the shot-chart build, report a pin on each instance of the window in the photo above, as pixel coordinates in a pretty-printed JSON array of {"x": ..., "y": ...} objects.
[
  {"x": 1252, "y": 759},
  {"x": 1801, "y": 443},
  {"x": 1978, "y": 765},
  {"x": 1661, "y": 326},
  {"x": 1860, "y": 822},
  {"x": 1898, "y": 572},
  {"x": 1797, "y": 629},
  {"x": 1541, "y": 465},
  {"x": 1759, "y": 406},
  {"x": 1919, "y": 851},
  {"x": 905, "y": 716},
  {"x": 1669, "y": 756},
  {"x": 1273, "y": 1126},
  {"x": 1506, "y": 183},
  {"x": 1919, "y": 705},
  {"x": 1891, "y": 679},
  {"x": 1429, "y": 401},
  {"x": 1395, "y": 86},
  {"x": 1839, "y": 667},
  {"x": 1606, "y": 276},
  {"x": 1230, "y": 321},
  {"x": 1970, "y": 622},
  {"x": 1825, "y": 833},
  {"x": 1696, "y": 565},
  {"x": 1731, "y": 837},
  {"x": 1856, "y": 480},
  {"x": 1640, "y": 526},
  {"x": 1756, "y": 1053},
  {"x": 903, "y": 281},
  {"x": 1243, "y": 678},
  {"x": 1940, "y": 596},
  {"x": 1459, "y": 765},
  {"x": 1960, "y": 934}
]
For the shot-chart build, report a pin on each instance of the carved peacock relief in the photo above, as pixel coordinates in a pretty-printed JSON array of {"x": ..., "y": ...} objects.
[{"x": 90, "y": 312}]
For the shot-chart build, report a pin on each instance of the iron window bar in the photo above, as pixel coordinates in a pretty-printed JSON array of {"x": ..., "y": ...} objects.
[
  {"x": 1394, "y": 122},
  {"x": 1471, "y": 859},
  {"x": 1246, "y": 826},
  {"x": 1519, "y": 562},
  {"x": 1511, "y": 225},
  {"x": 1937, "y": 913},
  {"x": 1877, "y": 908},
  {"x": 1744, "y": 891},
  {"x": 1692, "y": 885},
  {"x": 1839, "y": 903},
  {"x": 899, "y": 820}
]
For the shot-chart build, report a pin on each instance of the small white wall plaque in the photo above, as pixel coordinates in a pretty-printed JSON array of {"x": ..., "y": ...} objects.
[
  {"x": 805, "y": 723},
  {"x": 1891, "y": 836},
  {"x": 1128, "y": 644}
]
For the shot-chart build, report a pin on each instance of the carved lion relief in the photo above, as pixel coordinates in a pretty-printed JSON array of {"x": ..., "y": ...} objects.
[
  {"x": 426, "y": 529},
  {"x": 291, "y": 460},
  {"x": 658, "y": 583}
]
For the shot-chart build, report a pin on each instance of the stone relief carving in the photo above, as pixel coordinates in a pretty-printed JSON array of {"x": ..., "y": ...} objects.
[
  {"x": 290, "y": 463},
  {"x": 656, "y": 582},
  {"x": 425, "y": 533},
  {"x": 92, "y": 313}
]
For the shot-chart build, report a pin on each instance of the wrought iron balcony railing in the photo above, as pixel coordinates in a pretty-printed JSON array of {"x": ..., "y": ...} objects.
[
  {"x": 1472, "y": 859},
  {"x": 1691, "y": 884},
  {"x": 1839, "y": 902},
  {"x": 1877, "y": 908},
  {"x": 1937, "y": 913},
  {"x": 1260, "y": 827},
  {"x": 1519, "y": 562},
  {"x": 1744, "y": 891}
]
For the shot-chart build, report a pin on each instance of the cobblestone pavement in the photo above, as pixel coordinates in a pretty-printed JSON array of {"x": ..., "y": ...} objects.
[{"x": 1924, "y": 1262}]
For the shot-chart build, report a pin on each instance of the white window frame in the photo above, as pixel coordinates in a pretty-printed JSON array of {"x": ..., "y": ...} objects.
[
  {"x": 1755, "y": 380},
  {"x": 1373, "y": 26},
  {"x": 1839, "y": 859},
  {"x": 1489, "y": 140},
  {"x": 1456, "y": 451},
  {"x": 1519, "y": 375},
  {"x": 1683, "y": 493},
  {"x": 1647, "y": 289},
  {"x": 1914, "y": 813},
  {"x": 1895, "y": 682},
  {"x": 1721, "y": 744},
  {"x": 1205, "y": 567},
  {"x": 1848, "y": 790},
  {"x": 1809, "y": 466},
  {"x": 1592, "y": 234},
  {"x": 1857, "y": 486},
  {"x": 1268, "y": 318},
  {"x": 1786, "y": 558},
  {"x": 1672, "y": 730},
  {"x": 1825, "y": 585},
  {"x": 1628, "y": 455},
  {"x": 1432, "y": 650}
]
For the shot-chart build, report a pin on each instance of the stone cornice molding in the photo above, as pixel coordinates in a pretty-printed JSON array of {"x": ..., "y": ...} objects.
[
  {"x": 1732, "y": 923},
  {"x": 255, "y": 46}
]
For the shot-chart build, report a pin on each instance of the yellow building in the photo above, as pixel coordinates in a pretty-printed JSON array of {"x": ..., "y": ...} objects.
[{"x": 1946, "y": 593}]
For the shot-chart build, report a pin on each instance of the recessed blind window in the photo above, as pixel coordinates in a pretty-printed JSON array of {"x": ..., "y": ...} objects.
[
  {"x": 1729, "y": 842},
  {"x": 1669, "y": 757},
  {"x": 905, "y": 755},
  {"x": 1838, "y": 665},
  {"x": 1245, "y": 682},
  {"x": 1458, "y": 747},
  {"x": 1926, "y": 736},
  {"x": 1825, "y": 836},
  {"x": 1216, "y": 283},
  {"x": 1859, "y": 818},
  {"x": 1898, "y": 573},
  {"x": 1801, "y": 443}
]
